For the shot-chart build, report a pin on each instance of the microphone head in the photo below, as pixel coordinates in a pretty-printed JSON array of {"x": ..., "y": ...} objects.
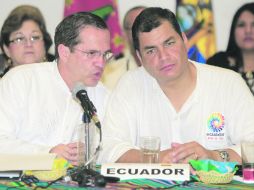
[{"x": 78, "y": 87}]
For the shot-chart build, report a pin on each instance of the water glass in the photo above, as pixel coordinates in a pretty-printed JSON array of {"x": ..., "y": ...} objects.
[
  {"x": 247, "y": 151},
  {"x": 80, "y": 132},
  {"x": 150, "y": 147}
]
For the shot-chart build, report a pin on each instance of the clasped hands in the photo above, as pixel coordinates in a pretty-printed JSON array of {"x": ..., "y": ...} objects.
[{"x": 182, "y": 153}]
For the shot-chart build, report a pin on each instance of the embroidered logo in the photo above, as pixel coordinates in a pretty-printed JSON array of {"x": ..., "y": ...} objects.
[
  {"x": 216, "y": 122},
  {"x": 215, "y": 127}
]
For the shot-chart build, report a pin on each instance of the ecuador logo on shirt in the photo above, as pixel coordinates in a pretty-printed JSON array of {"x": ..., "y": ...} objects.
[{"x": 215, "y": 127}]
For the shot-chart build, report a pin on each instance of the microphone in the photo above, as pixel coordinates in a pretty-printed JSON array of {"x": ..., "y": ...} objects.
[
  {"x": 79, "y": 91},
  {"x": 88, "y": 177}
]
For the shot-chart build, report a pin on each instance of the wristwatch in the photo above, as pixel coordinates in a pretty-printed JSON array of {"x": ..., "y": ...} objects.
[{"x": 224, "y": 155}]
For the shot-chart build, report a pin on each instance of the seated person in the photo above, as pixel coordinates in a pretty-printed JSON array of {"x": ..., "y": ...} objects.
[
  {"x": 198, "y": 111},
  {"x": 38, "y": 113},
  {"x": 239, "y": 55},
  {"x": 24, "y": 38}
]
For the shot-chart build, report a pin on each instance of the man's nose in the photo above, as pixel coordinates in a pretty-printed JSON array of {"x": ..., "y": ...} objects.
[
  {"x": 162, "y": 52},
  {"x": 100, "y": 61}
]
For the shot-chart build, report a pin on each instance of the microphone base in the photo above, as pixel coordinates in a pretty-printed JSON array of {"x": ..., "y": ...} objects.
[{"x": 87, "y": 177}]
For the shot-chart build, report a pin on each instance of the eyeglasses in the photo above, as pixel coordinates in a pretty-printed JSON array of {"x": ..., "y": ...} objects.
[
  {"x": 107, "y": 56},
  {"x": 22, "y": 39}
]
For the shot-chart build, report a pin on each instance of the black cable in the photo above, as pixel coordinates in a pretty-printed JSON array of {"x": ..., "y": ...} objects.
[{"x": 29, "y": 181}]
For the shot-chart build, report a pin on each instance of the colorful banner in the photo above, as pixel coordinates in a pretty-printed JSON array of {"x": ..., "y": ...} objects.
[
  {"x": 196, "y": 21},
  {"x": 106, "y": 9}
]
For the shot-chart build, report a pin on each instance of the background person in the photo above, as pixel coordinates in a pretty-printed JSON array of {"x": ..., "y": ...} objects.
[
  {"x": 197, "y": 110},
  {"x": 239, "y": 55},
  {"x": 116, "y": 68},
  {"x": 128, "y": 21},
  {"x": 24, "y": 38},
  {"x": 37, "y": 111}
]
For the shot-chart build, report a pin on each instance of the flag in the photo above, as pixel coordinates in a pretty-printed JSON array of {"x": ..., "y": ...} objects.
[
  {"x": 196, "y": 21},
  {"x": 106, "y": 9}
]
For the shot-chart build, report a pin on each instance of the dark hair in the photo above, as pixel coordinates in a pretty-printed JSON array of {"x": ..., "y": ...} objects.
[
  {"x": 151, "y": 18},
  {"x": 67, "y": 31},
  {"x": 233, "y": 50},
  {"x": 15, "y": 20},
  {"x": 125, "y": 25}
]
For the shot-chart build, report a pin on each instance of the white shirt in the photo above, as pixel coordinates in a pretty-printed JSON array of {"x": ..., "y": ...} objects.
[
  {"x": 138, "y": 107},
  {"x": 37, "y": 110}
]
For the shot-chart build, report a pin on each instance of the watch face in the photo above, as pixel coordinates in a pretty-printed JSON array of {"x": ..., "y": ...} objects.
[{"x": 224, "y": 155}]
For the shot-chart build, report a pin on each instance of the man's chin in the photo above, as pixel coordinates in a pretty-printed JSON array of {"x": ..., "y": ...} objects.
[{"x": 92, "y": 83}]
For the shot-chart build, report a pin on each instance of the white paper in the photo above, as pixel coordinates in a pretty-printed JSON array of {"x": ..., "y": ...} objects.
[{"x": 10, "y": 162}]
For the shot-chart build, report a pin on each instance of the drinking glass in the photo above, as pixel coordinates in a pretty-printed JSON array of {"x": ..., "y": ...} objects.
[
  {"x": 247, "y": 151},
  {"x": 150, "y": 147}
]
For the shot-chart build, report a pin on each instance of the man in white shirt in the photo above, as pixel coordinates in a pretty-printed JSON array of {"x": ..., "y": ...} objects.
[
  {"x": 198, "y": 111},
  {"x": 38, "y": 113}
]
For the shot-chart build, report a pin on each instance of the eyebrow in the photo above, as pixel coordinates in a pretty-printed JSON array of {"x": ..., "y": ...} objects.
[
  {"x": 96, "y": 50},
  {"x": 109, "y": 50},
  {"x": 150, "y": 47},
  {"x": 20, "y": 33},
  {"x": 16, "y": 33},
  {"x": 170, "y": 38}
]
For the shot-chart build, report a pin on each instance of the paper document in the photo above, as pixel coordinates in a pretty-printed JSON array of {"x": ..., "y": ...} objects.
[{"x": 10, "y": 162}]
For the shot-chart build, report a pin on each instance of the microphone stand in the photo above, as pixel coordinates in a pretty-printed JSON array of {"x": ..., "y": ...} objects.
[
  {"x": 87, "y": 120},
  {"x": 84, "y": 173}
]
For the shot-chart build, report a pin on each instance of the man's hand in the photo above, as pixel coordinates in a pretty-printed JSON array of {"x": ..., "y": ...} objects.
[
  {"x": 182, "y": 153},
  {"x": 166, "y": 156},
  {"x": 67, "y": 151}
]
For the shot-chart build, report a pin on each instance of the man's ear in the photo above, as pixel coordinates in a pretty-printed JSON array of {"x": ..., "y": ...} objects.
[
  {"x": 185, "y": 40},
  {"x": 63, "y": 51}
]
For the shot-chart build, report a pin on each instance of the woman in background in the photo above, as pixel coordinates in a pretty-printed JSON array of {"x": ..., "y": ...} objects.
[
  {"x": 24, "y": 38},
  {"x": 239, "y": 55}
]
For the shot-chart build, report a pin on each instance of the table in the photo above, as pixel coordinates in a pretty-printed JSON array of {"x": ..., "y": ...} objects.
[{"x": 137, "y": 184}]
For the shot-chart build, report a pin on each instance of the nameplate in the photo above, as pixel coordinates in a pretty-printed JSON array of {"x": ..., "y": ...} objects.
[{"x": 176, "y": 172}]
